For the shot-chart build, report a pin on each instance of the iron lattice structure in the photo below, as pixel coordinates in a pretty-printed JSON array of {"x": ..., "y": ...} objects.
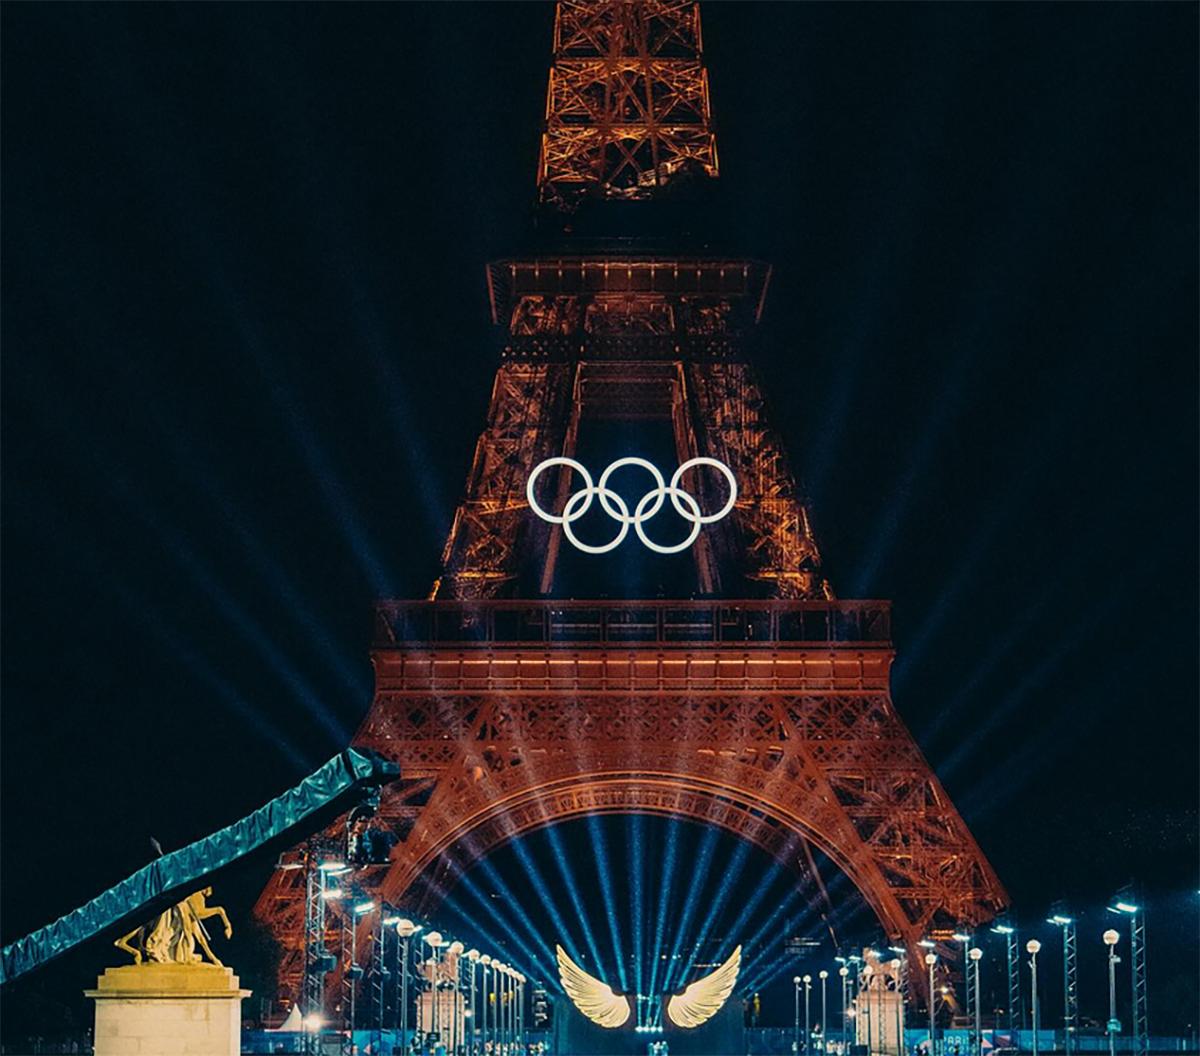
[
  {"x": 627, "y": 106},
  {"x": 603, "y": 338},
  {"x": 763, "y": 708}
]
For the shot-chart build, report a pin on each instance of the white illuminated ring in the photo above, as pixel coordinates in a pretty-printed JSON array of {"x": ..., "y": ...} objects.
[
  {"x": 589, "y": 489},
  {"x": 659, "y": 494},
  {"x": 673, "y": 488},
  {"x": 585, "y": 497},
  {"x": 694, "y": 517},
  {"x": 580, "y": 502}
]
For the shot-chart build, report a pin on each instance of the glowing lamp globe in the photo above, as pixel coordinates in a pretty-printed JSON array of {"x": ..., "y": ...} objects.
[
  {"x": 822, "y": 974},
  {"x": 931, "y": 959},
  {"x": 796, "y": 979},
  {"x": 1111, "y": 937},
  {"x": 1033, "y": 946},
  {"x": 975, "y": 953}
]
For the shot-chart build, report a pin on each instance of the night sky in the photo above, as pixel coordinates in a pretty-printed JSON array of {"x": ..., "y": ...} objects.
[{"x": 247, "y": 352}]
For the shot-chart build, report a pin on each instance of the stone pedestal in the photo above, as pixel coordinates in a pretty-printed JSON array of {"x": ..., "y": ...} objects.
[
  {"x": 168, "y": 1010},
  {"x": 879, "y": 1022}
]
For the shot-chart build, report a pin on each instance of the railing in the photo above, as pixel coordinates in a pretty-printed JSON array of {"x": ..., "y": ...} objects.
[
  {"x": 633, "y": 623},
  {"x": 563, "y": 347}
]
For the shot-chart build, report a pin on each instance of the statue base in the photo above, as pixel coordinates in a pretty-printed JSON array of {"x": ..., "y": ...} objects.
[{"x": 168, "y": 1010}]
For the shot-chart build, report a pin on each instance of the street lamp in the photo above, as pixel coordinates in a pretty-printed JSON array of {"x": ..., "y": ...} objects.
[
  {"x": 807, "y": 1016},
  {"x": 897, "y": 970},
  {"x": 844, "y": 972},
  {"x": 521, "y": 1009},
  {"x": 823, "y": 975},
  {"x": 435, "y": 942},
  {"x": 498, "y": 1043},
  {"x": 406, "y": 929},
  {"x": 1032, "y": 947},
  {"x": 931, "y": 960},
  {"x": 796, "y": 1018},
  {"x": 453, "y": 952},
  {"x": 867, "y": 973},
  {"x": 975, "y": 954},
  {"x": 501, "y": 1005},
  {"x": 1111, "y": 938},
  {"x": 473, "y": 961},
  {"x": 486, "y": 962}
]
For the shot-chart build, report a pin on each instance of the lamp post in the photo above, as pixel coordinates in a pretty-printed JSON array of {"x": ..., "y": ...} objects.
[
  {"x": 486, "y": 962},
  {"x": 521, "y": 1010},
  {"x": 796, "y": 1019},
  {"x": 472, "y": 960},
  {"x": 501, "y": 1009},
  {"x": 897, "y": 970},
  {"x": 510, "y": 974},
  {"x": 386, "y": 924},
  {"x": 1111, "y": 938},
  {"x": 434, "y": 941},
  {"x": 498, "y": 1014},
  {"x": 510, "y": 1018},
  {"x": 406, "y": 929},
  {"x": 1032, "y": 947},
  {"x": 844, "y": 972},
  {"x": 823, "y": 976},
  {"x": 807, "y": 1013},
  {"x": 517, "y": 992},
  {"x": 868, "y": 971},
  {"x": 931, "y": 960},
  {"x": 975, "y": 954},
  {"x": 454, "y": 952}
]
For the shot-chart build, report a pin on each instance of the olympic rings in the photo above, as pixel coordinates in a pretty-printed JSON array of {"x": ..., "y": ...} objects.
[{"x": 580, "y": 502}]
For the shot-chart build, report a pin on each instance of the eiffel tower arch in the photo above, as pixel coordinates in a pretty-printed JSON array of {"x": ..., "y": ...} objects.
[{"x": 757, "y": 701}]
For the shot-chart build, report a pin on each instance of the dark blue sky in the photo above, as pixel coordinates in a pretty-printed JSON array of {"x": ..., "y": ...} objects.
[{"x": 247, "y": 353}]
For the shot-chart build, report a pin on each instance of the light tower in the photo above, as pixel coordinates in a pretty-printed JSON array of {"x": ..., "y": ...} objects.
[
  {"x": 1070, "y": 967},
  {"x": 1139, "y": 1028},
  {"x": 1012, "y": 961}
]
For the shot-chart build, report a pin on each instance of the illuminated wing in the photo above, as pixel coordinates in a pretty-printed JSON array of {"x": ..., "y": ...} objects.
[
  {"x": 593, "y": 998},
  {"x": 703, "y": 999}
]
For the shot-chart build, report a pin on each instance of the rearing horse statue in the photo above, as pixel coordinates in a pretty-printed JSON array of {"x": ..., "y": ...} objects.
[{"x": 174, "y": 935}]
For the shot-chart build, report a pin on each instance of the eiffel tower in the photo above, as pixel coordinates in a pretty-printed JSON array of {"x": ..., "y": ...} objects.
[{"x": 751, "y": 699}]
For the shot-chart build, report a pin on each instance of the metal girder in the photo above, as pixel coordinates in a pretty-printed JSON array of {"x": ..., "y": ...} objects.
[
  {"x": 778, "y": 743},
  {"x": 627, "y": 106}
]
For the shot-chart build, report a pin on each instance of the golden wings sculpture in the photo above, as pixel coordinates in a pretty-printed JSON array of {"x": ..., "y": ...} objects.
[{"x": 699, "y": 1002}]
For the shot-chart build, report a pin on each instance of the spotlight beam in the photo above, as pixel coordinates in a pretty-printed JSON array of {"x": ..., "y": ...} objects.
[{"x": 606, "y": 893}]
